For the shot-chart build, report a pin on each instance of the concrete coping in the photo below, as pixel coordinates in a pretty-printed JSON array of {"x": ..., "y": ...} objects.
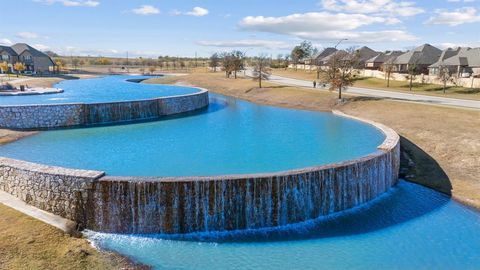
[
  {"x": 391, "y": 137},
  {"x": 56, "y": 221},
  {"x": 51, "y": 170},
  {"x": 390, "y": 142}
]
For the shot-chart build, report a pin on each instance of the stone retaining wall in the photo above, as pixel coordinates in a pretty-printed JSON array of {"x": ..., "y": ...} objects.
[
  {"x": 58, "y": 190},
  {"x": 84, "y": 114},
  {"x": 199, "y": 204}
]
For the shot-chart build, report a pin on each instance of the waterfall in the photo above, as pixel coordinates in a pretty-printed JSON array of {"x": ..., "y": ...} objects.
[{"x": 130, "y": 205}]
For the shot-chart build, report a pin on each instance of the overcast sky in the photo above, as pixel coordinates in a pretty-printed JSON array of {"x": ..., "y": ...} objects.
[{"x": 183, "y": 28}]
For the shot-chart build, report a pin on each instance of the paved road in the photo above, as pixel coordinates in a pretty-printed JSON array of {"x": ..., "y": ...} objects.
[{"x": 434, "y": 100}]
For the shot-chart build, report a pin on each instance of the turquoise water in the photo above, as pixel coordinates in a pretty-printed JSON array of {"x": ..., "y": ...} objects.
[
  {"x": 102, "y": 89},
  {"x": 411, "y": 227},
  {"x": 230, "y": 137}
]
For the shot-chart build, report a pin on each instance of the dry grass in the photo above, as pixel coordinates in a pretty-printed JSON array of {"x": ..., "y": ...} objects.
[
  {"x": 298, "y": 74},
  {"x": 448, "y": 135},
  {"x": 7, "y": 136},
  {"x": 26, "y": 243},
  {"x": 247, "y": 89}
]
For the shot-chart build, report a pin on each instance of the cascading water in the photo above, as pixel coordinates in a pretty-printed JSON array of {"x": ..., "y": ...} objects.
[{"x": 200, "y": 205}]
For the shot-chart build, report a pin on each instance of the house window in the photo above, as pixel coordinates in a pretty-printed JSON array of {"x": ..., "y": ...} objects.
[
  {"x": 27, "y": 58},
  {"x": 5, "y": 57}
]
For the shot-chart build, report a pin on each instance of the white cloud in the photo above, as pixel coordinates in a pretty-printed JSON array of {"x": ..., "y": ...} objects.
[
  {"x": 385, "y": 7},
  {"x": 71, "y": 3},
  {"x": 296, "y": 24},
  {"x": 27, "y": 35},
  {"x": 41, "y": 47},
  {"x": 456, "y": 17},
  {"x": 146, "y": 10},
  {"x": 326, "y": 26},
  {"x": 246, "y": 43},
  {"x": 198, "y": 12},
  {"x": 5, "y": 41}
]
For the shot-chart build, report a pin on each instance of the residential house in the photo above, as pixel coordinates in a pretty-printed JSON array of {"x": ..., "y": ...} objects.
[
  {"x": 363, "y": 54},
  {"x": 464, "y": 64},
  {"x": 320, "y": 55},
  {"x": 323, "y": 62},
  {"x": 377, "y": 62},
  {"x": 34, "y": 60},
  {"x": 7, "y": 54},
  {"x": 418, "y": 59},
  {"x": 434, "y": 69}
]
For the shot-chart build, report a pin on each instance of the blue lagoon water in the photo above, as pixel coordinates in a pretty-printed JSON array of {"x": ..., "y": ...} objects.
[
  {"x": 102, "y": 89},
  {"x": 230, "y": 137},
  {"x": 411, "y": 227}
]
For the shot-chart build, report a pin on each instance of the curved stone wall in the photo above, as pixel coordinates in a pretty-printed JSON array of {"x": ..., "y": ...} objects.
[
  {"x": 199, "y": 204},
  {"x": 50, "y": 116}
]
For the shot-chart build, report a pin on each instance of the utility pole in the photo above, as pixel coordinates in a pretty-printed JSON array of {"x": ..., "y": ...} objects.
[{"x": 195, "y": 59}]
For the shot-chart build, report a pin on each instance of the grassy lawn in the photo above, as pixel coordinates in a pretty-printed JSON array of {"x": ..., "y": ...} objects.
[{"x": 397, "y": 86}]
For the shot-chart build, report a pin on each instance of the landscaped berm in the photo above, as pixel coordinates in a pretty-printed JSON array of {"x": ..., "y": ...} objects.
[{"x": 187, "y": 135}]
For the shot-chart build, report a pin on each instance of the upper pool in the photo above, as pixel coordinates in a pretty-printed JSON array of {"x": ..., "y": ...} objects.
[
  {"x": 230, "y": 137},
  {"x": 101, "y": 89}
]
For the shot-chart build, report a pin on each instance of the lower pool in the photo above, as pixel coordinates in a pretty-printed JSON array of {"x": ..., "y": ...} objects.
[{"x": 411, "y": 227}]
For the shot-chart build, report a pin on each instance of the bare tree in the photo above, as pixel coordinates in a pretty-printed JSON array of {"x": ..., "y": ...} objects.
[
  {"x": 340, "y": 72},
  {"x": 227, "y": 63},
  {"x": 412, "y": 69},
  {"x": 445, "y": 76},
  {"x": 388, "y": 68},
  {"x": 152, "y": 69},
  {"x": 237, "y": 61},
  {"x": 261, "y": 69},
  {"x": 75, "y": 62},
  {"x": 214, "y": 61},
  {"x": 232, "y": 62},
  {"x": 286, "y": 60}
]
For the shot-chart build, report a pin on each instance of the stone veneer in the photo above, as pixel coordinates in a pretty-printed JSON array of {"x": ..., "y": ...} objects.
[
  {"x": 199, "y": 204},
  {"x": 48, "y": 116}
]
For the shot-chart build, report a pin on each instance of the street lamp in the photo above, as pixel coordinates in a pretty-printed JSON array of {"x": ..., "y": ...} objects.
[{"x": 340, "y": 41}]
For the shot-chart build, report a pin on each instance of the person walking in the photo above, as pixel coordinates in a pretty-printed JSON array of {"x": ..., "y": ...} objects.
[{"x": 314, "y": 84}]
